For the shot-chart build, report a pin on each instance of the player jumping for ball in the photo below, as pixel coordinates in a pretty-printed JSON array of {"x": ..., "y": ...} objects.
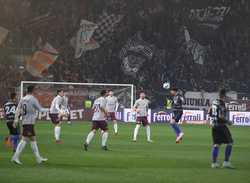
[
  {"x": 27, "y": 109},
  {"x": 56, "y": 114},
  {"x": 111, "y": 107},
  {"x": 99, "y": 121},
  {"x": 141, "y": 107},
  {"x": 220, "y": 131},
  {"x": 177, "y": 110}
]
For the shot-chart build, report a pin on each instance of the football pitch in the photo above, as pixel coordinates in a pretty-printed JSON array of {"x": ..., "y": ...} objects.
[{"x": 162, "y": 161}]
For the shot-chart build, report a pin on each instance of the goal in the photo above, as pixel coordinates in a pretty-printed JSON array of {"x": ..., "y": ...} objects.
[{"x": 80, "y": 95}]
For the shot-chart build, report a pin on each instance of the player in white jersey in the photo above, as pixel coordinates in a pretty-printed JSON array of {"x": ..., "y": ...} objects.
[
  {"x": 56, "y": 113},
  {"x": 111, "y": 107},
  {"x": 27, "y": 109},
  {"x": 141, "y": 107},
  {"x": 99, "y": 121}
]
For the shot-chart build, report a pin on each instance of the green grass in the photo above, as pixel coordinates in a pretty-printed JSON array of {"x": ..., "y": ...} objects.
[{"x": 163, "y": 161}]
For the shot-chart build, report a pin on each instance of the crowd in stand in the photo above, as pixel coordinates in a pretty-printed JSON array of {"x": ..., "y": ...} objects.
[{"x": 160, "y": 23}]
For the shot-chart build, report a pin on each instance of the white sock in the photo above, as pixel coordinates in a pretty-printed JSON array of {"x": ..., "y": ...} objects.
[
  {"x": 137, "y": 127},
  {"x": 104, "y": 138},
  {"x": 19, "y": 149},
  {"x": 148, "y": 132},
  {"x": 90, "y": 137},
  {"x": 115, "y": 127},
  {"x": 35, "y": 150},
  {"x": 57, "y": 132}
]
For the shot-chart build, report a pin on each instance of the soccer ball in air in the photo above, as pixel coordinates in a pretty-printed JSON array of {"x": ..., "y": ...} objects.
[{"x": 166, "y": 85}]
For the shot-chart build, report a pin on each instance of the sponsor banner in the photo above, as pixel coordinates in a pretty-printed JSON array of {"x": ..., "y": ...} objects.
[
  {"x": 189, "y": 116},
  {"x": 154, "y": 116},
  {"x": 240, "y": 118},
  {"x": 202, "y": 100},
  {"x": 238, "y": 105},
  {"x": 119, "y": 115},
  {"x": 193, "y": 117},
  {"x": 161, "y": 116},
  {"x": 75, "y": 114},
  {"x": 130, "y": 116}
]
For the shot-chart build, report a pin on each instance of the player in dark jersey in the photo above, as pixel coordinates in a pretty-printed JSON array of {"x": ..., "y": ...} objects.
[
  {"x": 220, "y": 131},
  {"x": 177, "y": 101},
  {"x": 9, "y": 114}
]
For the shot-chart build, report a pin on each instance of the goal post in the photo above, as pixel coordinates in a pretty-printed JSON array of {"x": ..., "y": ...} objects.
[{"x": 46, "y": 90}]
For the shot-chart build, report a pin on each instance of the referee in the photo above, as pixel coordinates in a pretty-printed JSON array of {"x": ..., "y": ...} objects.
[{"x": 220, "y": 131}]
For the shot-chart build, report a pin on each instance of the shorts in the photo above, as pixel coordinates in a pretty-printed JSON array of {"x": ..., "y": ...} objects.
[
  {"x": 221, "y": 135},
  {"x": 28, "y": 131},
  {"x": 103, "y": 125},
  {"x": 54, "y": 118},
  {"x": 177, "y": 116},
  {"x": 111, "y": 116},
  {"x": 142, "y": 120},
  {"x": 12, "y": 130}
]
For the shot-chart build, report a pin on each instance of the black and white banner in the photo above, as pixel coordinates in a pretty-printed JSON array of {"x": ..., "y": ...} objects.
[
  {"x": 134, "y": 53},
  {"x": 197, "y": 50},
  {"x": 202, "y": 100},
  {"x": 210, "y": 16},
  {"x": 84, "y": 40}
]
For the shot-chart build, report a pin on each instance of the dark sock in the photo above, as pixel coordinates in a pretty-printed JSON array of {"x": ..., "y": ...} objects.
[
  {"x": 215, "y": 152},
  {"x": 176, "y": 128},
  {"x": 228, "y": 151},
  {"x": 15, "y": 141}
]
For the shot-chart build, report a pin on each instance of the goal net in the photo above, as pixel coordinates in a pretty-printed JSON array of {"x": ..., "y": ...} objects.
[{"x": 81, "y": 96}]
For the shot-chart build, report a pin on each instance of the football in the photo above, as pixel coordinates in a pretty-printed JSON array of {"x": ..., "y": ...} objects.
[{"x": 166, "y": 85}]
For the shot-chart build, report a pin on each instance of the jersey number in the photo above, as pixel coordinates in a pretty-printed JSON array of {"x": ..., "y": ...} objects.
[
  {"x": 24, "y": 109},
  {"x": 214, "y": 111},
  {"x": 10, "y": 110},
  {"x": 97, "y": 108}
]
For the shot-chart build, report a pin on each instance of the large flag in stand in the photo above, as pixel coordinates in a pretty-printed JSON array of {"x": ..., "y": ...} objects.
[
  {"x": 106, "y": 27},
  {"x": 134, "y": 53},
  {"x": 3, "y": 34},
  {"x": 195, "y": 48},
  {"x": 84, "y": 40},
  {"x": 210, "y": 17},
  {"x": 41, "y": 60}
]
